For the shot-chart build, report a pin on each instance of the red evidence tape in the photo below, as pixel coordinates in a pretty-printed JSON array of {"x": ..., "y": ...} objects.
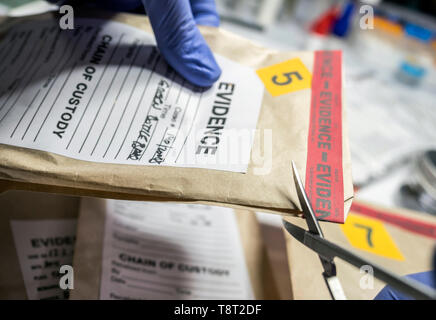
[
  {"x": 413, "y": 225},
  {"x": 324, "y": 175}
]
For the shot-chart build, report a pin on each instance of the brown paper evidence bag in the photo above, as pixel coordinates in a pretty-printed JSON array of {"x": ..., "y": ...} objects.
[
  {"x": 88, "y": 257},
  {"x": 34, "y": 208},
  {"x": 268, "y": 184}
]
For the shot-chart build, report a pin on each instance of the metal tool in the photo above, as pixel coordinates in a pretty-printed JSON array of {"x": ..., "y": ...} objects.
[{"x": 327, "y": 251}]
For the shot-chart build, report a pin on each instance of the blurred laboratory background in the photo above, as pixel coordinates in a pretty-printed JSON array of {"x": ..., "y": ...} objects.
[{"x": 389, "y": 50}]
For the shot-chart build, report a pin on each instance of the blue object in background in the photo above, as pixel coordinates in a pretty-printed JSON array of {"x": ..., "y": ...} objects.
[
  {"x": 417, "y": 32},
  {"x": 412, "y": 70},
  {"x": 410, "y": 73},
  {"x": 342, "y": 25}
]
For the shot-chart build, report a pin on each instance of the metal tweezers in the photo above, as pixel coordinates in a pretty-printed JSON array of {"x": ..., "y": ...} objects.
[{"x": 327, "y": 251}]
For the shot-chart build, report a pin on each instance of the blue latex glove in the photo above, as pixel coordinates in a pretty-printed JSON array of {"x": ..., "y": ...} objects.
[
  {"x": 388, "y": 293},
  {"x": 428, "y": 278},
  {"x": 180, "y": 41},
  {"x": 174, "y": 24}
]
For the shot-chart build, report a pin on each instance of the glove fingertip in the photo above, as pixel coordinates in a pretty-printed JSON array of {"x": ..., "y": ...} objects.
[
  {"x": 199, "y": 75},
  {"x": 196, "y": 63},
  {"x": 207, "y": 20},
  {"x": 204, "y": 68},
  {"x": 207, "y": 76}
]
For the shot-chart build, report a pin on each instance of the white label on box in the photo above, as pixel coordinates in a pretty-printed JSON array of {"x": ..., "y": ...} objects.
[
  {"x": 172, "y": 251},
  {"x": 103, "y": 93},
  {"x": 42, "y": 247}
]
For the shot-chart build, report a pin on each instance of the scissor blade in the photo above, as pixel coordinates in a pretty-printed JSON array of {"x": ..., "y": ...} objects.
[
  {"x": 329, "y": 274},
  {"x": 311, "y": 240},
  {"x": 311, "y": 220},
  {"x": 296, "y": 232},
  {"x": 328, "y": 250}
]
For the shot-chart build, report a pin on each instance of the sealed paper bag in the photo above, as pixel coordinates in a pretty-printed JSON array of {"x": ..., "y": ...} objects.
[
  {"x": 37, "y": 234},
  {"x": 399, "y": 240},
  {"x": 147, "y": 250},
  {"x": 96, "y": 111}
]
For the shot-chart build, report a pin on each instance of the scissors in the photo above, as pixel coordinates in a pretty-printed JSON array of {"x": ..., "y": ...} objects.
[{"x": 327, "y": 251}]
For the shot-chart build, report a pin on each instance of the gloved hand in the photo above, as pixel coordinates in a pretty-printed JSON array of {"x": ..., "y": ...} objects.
[
  {"x": 428, "y": 278},
  {"x": 179, "y": 40},
  {"x": 389, "y": 293},
  {"x": 174, "y": 24}
]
